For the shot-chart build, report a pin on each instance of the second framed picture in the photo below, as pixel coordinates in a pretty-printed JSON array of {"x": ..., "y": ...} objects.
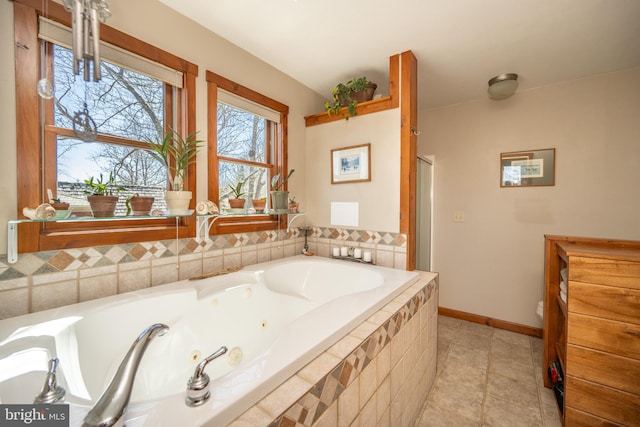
[{"x": 351, "y": 164}]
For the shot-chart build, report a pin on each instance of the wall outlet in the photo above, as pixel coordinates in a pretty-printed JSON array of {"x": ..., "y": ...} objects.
[{"x": 458, "y": 217}]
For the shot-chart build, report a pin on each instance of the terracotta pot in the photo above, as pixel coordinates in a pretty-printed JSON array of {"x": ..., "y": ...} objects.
[
  {"x": 60, "y": 206},
  {"x": 62, "y": 209},
  {"x": 237, "y": 203},
  {"x": 362, "y": 96},
  {"x": 259, "y": 205},
  {"x": 293, "y": 207},
  {"x": 103, "y": 206},
  {"x": 141, "y": 205}
]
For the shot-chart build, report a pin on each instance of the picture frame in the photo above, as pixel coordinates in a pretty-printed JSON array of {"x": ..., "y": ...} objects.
[
  {"x": 351, "y": 164},
  {"x": 528, "y": 168}
]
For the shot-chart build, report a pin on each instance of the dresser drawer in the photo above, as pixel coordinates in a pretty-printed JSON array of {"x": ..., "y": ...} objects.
[
  {"x": 605, "y": 271},
  {"x": 609, "y": 302},
  {"x": 614, "y": 371},
  {"x": 604, "y": 402},
  {"x": 606, "y": 335},
  {"x": 574, "y": 417}
]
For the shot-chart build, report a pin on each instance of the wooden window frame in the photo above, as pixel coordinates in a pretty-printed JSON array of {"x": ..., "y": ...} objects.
[
  {"x": 279, "y": 154},
  {"x": 34, "y": 237}
]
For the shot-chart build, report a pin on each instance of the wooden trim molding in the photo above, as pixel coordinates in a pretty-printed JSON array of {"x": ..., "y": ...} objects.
[
  {"x": 34, "y": 237},
  {"x": 489, "y": 321},
  {"x": 368, "y": 107},
  {"x": 280, "y": 155},
  {"x": 408, "y": 152}
]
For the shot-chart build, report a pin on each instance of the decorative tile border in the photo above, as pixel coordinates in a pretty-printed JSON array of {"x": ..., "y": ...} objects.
[
  {"x": 361, "y": 236},
  {"x": 36, "y": 263}
]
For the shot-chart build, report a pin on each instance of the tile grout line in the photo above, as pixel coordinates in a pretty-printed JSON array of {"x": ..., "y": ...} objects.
[
  {"x": 538, "y": 385},
  {"x": 486, "y": 385}
]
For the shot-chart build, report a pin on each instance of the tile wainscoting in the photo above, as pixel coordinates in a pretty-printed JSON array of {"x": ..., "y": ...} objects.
[
  {"x": 44, "y": 280},
  {"x": 378, "y": 375}
]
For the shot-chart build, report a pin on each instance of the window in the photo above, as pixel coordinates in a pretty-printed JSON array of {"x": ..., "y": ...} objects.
[
  {"x": 128, "y": 109},
  {"x": 242, "y": 147},
  {"x": 143, "y": 92},
  {"x": 247, "y": 136}
]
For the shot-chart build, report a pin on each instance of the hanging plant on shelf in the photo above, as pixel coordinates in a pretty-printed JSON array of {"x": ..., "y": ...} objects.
[{"x": 349, "y": 95}]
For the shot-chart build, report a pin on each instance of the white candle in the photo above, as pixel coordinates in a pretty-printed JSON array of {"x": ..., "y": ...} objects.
[
  {"x": 336, "y": 251},
  {"x": 367, "y": 256},
  {"x": 357, "y": 253},
  {"x": 344, "y": 251}
]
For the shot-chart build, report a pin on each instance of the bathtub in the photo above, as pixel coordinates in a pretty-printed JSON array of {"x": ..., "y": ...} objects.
[{"x": 274, "y": 318}]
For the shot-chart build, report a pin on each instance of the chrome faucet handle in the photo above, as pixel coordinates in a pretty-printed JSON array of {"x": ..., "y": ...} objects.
[
  {"x": 198, "y": 384},
  {"x": 51, "y": 392}
]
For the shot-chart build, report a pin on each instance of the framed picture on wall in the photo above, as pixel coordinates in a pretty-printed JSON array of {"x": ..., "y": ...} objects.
[
  {"x": 528, "y": 168},
  {"x": 351, "y": 164}
]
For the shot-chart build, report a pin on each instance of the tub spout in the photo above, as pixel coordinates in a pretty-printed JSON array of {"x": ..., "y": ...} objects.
[
  {"x": 198, "y": 384},
  {"x": 111, "y": 406}
]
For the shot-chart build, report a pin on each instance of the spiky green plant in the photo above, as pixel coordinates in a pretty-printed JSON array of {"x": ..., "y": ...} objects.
[
  {"x": 275, "y": 185},
  {"x": 176, "y": 153}
]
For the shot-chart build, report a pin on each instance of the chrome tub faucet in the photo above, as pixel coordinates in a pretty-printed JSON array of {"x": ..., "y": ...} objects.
[{"x": 110, "y": 408}]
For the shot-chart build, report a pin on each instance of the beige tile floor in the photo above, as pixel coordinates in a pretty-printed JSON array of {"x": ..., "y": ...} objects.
[{"x": 487, "y": 377}]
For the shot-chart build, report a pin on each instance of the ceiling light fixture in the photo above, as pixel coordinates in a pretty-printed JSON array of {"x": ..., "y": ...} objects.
[{"x": 503, "y": 86}]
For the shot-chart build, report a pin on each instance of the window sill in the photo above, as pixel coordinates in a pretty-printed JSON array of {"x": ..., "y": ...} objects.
[
  {"x": 204, "y": 223},
  {"x": 89, "y": 231}
]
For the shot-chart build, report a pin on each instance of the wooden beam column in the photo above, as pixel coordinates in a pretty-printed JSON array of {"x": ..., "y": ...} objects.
[{"x": 408, "y": 152}]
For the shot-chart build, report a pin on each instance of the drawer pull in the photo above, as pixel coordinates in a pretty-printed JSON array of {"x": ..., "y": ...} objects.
[{"x": 633, "y": 332}]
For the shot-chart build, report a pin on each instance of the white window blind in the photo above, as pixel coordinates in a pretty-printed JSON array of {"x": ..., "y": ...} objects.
[
  {"x": 246, "y": 105},
  {"x": 61, "y": 35}
]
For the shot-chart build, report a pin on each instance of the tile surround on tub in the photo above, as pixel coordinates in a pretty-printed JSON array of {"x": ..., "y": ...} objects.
[
  {"x": 379, "y": 378},
  {"x": 49, "y": 279}
]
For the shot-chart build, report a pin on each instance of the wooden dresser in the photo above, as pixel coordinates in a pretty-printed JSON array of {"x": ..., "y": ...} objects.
[{"x": 593, "y": 328}]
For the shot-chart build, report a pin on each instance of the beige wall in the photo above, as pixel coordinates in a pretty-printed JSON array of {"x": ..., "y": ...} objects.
[
  {"x": 8, "y": 182},
  {"x": 152, "y": 22},
  {"x": 492, "y": 264},
  {"x": 379, "y": 200}
]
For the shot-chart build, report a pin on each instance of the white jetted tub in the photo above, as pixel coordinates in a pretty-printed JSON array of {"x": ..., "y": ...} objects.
[{"x": 273, "y": 317}]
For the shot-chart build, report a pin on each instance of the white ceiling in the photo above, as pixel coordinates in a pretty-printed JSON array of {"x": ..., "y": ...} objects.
[{"x": 459, "y": 44}]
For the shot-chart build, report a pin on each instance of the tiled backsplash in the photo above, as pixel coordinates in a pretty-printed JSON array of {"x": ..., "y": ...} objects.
[{"x": 43, "y": 280}]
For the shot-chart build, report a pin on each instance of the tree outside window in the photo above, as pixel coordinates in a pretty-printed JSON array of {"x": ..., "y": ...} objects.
[
  {"x": 247, "y": 135},
  {"x": 128, "y": 109}
]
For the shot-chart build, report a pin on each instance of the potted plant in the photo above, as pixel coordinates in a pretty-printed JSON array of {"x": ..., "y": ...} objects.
[
  {"x": 349, "y": 94},
  {"x": 259, "y": 204},
  {"x": 237, "y": 202},
  {"x": 176, "y": 153},
  {"x": 58, "y": 204},
  {"x": 101, "y": 198},
  {"x": 139, "y": 205},
  {"x": 293, "y": 205},
  {"x": 279, "y": 198},
  {"x": 62, "y": 208}
]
